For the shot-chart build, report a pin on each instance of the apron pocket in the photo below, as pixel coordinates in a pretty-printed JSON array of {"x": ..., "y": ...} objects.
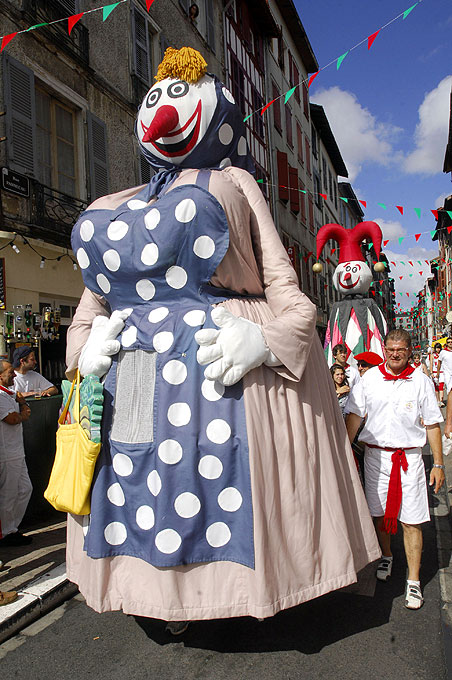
[{"x": 133, "y": 412}]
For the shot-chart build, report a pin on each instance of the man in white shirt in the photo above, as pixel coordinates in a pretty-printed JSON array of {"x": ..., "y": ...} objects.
[
  {"x": 15, "y": 485},
  {"x": 445, "y": 365},
  {"x": 27, "y": 381},
  {"x": 340, "y": 357},
  {"x": 395, "y": 397}
]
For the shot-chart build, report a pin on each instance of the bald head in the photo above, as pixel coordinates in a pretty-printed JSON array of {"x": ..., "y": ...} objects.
[{"x": 6, "y": 373}]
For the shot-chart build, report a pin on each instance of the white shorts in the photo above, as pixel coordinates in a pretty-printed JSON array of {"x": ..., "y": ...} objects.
[{"x": 377, "y": 471}]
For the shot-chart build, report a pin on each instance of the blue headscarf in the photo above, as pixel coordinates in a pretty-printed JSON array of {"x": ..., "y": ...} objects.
[{"x": 210, "y": 153}]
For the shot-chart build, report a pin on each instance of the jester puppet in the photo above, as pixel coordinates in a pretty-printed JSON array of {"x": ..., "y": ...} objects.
[
  {"x": 356, "y": 321},
  {"x": 225, "y": 486}
]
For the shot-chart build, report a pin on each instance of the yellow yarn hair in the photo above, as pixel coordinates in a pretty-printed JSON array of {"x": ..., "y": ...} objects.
[{"x": 186, "y": 64}]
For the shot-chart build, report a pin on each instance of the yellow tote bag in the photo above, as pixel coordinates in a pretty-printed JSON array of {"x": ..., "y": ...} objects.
[{"x": 75, "y": 459}]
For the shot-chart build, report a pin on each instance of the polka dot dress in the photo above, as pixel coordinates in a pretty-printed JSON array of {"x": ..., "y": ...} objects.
[{"x": 183, "y": 496}]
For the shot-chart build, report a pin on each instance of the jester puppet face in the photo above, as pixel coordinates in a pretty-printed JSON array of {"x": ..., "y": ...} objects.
[{"x": 351, "y": 278}]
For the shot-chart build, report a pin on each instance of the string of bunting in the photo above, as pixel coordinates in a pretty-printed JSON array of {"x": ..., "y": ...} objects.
[
  {"x": 370, "y": 39},
  {"x": 71, "y": 20}
]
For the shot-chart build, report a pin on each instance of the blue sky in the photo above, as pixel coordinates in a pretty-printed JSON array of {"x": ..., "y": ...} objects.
[{"x": 389, "y": 110}]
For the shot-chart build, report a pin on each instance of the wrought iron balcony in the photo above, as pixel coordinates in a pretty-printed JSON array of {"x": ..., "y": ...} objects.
[
  {"x": 76, "y": 44},
  {"x": 53, "y": 214}
]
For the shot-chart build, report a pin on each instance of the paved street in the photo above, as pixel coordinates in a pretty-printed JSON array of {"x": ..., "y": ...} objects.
[{"x": 341, "y": 636}]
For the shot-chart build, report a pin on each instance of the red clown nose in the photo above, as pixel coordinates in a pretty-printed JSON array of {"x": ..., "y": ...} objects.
[{"x": 163, "y": 122}]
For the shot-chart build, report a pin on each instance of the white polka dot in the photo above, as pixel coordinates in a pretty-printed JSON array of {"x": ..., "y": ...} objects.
[
  {"x": 152, "y": 218},
  {"x": 230, "y": 499},
  {"x": 129, "y": 336},
  {"x": 86, "y": 520},
  {"x": 204, "y": 247},
  {"x": 127, "y": 310},
  {"x": 115, "y": 533},
  {"x": 174, "y": 372},
  {"x": 225, "y": 163},
  {"x": 163, "y": 341},
  {"x": 103, "y": 283},
  {"x": 145, "y": 289},
  {"x": 150, "y": 254},
  {"x": 242, "y": 147},
  {"x": 145, "y": 517},
  {"x": 112, "y": 260},
  {"x": 170, "y": 451},
  {"x": 195, "y": 318},
  {"x": 218, "y": 534},
  {"x": 117, "y": 230},
  {"x": 210, "y": 467},
  {"x": 225, "y": 134},
  {"x": 185, "y": 210},
  {"x": 176, "y": 277},
  {"x": 187, "y": 505},
  {"x": 228, "y": 95},
  {"x": 179, "y": 414},
  {"x": 115, "y": 494},
  {"x": 218, "y": 431},
  {"x": 122, "y": 465},
  {"x": 82, "y": 258},
  {"x": 136, "y": 204},
  {"x": 154, "y": 483},
  {"x": 212, "y": 390},
  {"x": 168, "y": 541},
  {"x": 86, "y": 230},
  {"x": 158, "y": 314}
]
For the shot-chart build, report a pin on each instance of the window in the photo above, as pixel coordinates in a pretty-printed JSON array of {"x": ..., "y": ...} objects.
[
  {"x": 293, "y": 190},
  {"x": 289, "y": 135},
  {"x": 258, "y": 122},
  {"x": 276, "y": 107},
  {"x": 305, "y": 100},
  {"x": 205, "y": 21},
  {"x": 311, "y": 213},
  {"x": 281, "y": 50},
  {"x": 238, "y": 84},
  {"x": 299, "y": 143},
  {"x": 283, "y": 176},
  {"x": 56, "y": 143},
  {"x": 330, "y": 182},
  {"x": 308, "y": 154},
  {"x": 317, "y": 191},
  {"x": 314, "y": 141},
  {"x": 325, "y": 174},
  {"x": 302, "y": 203},
  {"x": 294, "y": 78},
  {"x": 335, "y": 193}
]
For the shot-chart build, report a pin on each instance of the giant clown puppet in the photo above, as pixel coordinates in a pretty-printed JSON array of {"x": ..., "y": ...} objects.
[
  {"x": 355, "y": 321},
  {"x": 225, "y": 484}
]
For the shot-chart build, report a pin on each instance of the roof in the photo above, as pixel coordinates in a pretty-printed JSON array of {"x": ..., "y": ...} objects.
[
  {"x": 345, "y": 189},
  {"x": 296, "y": 30},
  {"x": 448, "y": 157},
  {"x": 322, "y": 125}
]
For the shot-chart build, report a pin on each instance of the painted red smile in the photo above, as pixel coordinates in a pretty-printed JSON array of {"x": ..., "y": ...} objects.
[
  {"x": 185, "y": 145},
  {"x": 352, "y": 285}
]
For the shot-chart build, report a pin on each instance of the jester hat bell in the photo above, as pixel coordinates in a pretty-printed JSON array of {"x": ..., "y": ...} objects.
[{"x": 349, "y": 240}]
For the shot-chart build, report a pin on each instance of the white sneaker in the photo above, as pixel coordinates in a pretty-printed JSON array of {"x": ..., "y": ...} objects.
[
  {"x": 413, "y": 596},
  {"x": 177, "y": 627},
  {"x": 384, "y": 569}
]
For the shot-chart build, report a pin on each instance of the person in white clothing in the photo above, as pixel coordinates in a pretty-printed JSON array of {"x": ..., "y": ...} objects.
[
  {"x": 340, "y": 357},
  {"x": 27, "y": 381},
  {"x": 438, "y": 377},
  {"x": 394, "y": 397},
  {"x": 15, "y": 484},
  {"x": 445, "y": 365}
]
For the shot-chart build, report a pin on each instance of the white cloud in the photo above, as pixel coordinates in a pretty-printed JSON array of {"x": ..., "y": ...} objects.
[
  {"x": 439, "y": 202},
  {"x": 409, "y": 284},
  {"x": 431, "y": 132},
  {"x": 361, "y": 138},
  {"x": 391, "y": 230}
]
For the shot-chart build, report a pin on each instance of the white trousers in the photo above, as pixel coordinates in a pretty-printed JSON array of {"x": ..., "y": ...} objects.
[
  {"x": 377, "y": 471},
  {"x": 15, "y": 493}
]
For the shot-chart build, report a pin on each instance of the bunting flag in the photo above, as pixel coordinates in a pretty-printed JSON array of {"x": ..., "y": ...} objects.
[
  {"x": 385, "y": 243},
  {"x": 400, "y": 209},
  {"x": 435, "y": 214},
  {"x": 265, "y": 108},
  {"x": 409, "y": 10},
  {"x": 149, "y": 3},
  {"x": 288, "y": 95},
  {"x": 341, "y": 59},
  {"x": 312, "y": 78},
  {"x": 417, "y": 237},
  {"x": 418, "y": 212},
  {"x": 371, "y": 38},
  {"x": 400, "y": 240},
  {"x": 343, "y": 199},
  {"x": 364, "y": 203},
  {"x": 6, "y": 39},
  {"x": 107, "y": 10},
  {"x": 382, "y": 205},
  {"x": 73, "y": 20}
]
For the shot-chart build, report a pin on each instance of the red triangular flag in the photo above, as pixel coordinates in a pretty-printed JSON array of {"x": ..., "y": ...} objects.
[
  {"x": 417, "y": 236},
  {"x": 408, "y": 294},
  {"x": 311, "y": 79},
  {"x": 393, "y": 263},
  {"x": 307, "y": 256},
  {"x": 148, "y": 4},
  {"x": 323, "y": 196},
  {"x": 400, "y": 277},
  {"x": 411, "y": 263},
  {"x": 371, "y": 39},
  {"x": 333, "y": 250},
  {"x": 449, "y": 229},
  {"x": 435, "y": 214},
  {"x": 6, "y": 39},
  {"x": 400, "y": 209},
  {"x": 73, "y": 20},
  {"x": 426, "y": 262},
  {"x": 385, "y": 243},
  {"x": 420, "y": 273},
  {"x": 364, "y": 203},
  {"x": 266, "y": 106}
]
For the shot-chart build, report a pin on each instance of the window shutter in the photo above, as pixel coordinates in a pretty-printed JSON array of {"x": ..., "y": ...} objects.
[
  {"x": 311, "y": 213},
  {"x": 140, "y": 37},
  {"x": 164, "y": 44},
  {"x": 308, "y": 154},
  {"x": 98, "y": 158},
  {"x": 289, "y": 134},
  {"x": 19, "y": 88},
  {"x": 299, "y": 143},
  {"x": 294, "y": 193},
  {"x": 276, "y": 107},
  {"x": 302, "y": 203},
  {"x": 283, "y": 175},
  {"x": 210, "y": 25},
  {"x": 305, "y": 100}
]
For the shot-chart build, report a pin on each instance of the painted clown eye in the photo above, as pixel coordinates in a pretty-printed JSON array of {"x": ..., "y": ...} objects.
[
  {"x": 177, "y": 89},
  {"x": 354, "y": 270},
  {"x": 153, "y": 97}
]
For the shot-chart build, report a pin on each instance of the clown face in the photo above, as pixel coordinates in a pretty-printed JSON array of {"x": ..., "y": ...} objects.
[
  {"x": 174, "y": 117},
  {"x": 351, "y": 278}
]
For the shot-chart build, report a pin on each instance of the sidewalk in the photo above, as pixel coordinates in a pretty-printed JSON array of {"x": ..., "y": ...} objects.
[{"x": 38, "y": 573}]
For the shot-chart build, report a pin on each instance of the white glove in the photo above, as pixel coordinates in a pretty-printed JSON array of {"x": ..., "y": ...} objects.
[
  {"x": 96, "y": 354},
  {"x": 234, "y": 350}
]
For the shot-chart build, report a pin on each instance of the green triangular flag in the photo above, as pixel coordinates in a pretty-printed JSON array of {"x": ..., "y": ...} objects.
[
  {"x": 343, "y": 199},
  {"x": 407, "y": 11},
  {"x": 419, "y": 262},
  {"x": 32, "y": 28},
  {"x": 247, "y": 118},
  {"x": 433, "y": 232},
  {"x": 289, "y": 94},
  {"x": 382, "y": 205},
  {"x": 369, "y": 246},
  {"x": 401, "y": 239},
  {"x": 341, "y": 59},
  {"x": 449, "y": 212},
  {"x": 260, "y": 181},
  {"x": 401, "y": 260},
  {"x": 418, "y": 212},
  {"x": 107, "y": 10},
  {"x": 411, "y": 274},
  {"x": 400, "y": 293},
  {"x": 380, "y": 292}
]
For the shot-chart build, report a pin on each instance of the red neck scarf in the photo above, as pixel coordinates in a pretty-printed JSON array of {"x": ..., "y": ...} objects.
[
  {"x": 404, "y": 375},
  {"x": 5, "y": 389}
]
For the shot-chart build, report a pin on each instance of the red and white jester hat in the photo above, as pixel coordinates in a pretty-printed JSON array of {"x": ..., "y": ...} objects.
[{"x": 349, "y": 240}]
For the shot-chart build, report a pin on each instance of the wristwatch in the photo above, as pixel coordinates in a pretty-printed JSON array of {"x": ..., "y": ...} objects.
[{"x": 442, "y": 467}]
